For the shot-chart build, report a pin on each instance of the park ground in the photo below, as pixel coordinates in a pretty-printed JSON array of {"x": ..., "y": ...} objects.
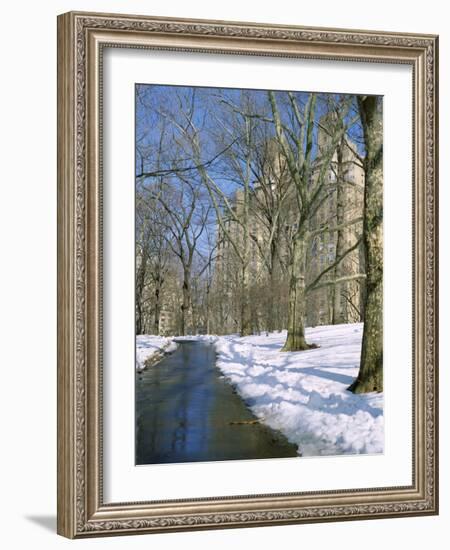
[{"x": 302, "y": 394}]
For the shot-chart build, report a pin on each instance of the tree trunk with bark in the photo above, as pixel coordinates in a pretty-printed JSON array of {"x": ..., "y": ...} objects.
[
  {"x": 272, "y": 316},
  {"x": 158, "y": 284},
  {"x": 338, "y": 312},
  {"x": 370, "y": 377},
  {"x": 207, "y": 308},
  {"x": 295, "y": 340},
  {"x": 246, "y": 321},
  {"x": 246, "y": 325},
  {"x": 186, "y": 302},
  {"x": 140, "y": 285}
]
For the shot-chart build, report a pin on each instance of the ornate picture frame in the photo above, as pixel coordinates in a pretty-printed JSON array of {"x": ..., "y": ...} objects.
[{"x": 82, "y": 38}]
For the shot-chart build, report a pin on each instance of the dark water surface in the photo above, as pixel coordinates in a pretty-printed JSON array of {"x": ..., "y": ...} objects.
[{"x": 185, "y": 412}]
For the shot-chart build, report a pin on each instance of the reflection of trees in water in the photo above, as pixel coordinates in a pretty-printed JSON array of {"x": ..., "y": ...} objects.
[{"x": 186, "y": 412}]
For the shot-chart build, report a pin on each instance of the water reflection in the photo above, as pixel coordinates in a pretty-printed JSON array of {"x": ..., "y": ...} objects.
[{"x": 186, "y": 413}]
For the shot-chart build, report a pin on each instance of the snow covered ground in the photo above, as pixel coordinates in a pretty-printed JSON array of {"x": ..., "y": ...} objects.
[
  {"x": 303, "y": 394},
  {"x": 152, "y": 347}
]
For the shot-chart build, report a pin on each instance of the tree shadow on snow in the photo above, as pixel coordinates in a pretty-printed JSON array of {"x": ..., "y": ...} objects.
[{"x": 335, "y": 377}]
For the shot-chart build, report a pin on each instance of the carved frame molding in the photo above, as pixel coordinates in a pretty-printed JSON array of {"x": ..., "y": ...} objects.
[{"x": 81, "y": 38}]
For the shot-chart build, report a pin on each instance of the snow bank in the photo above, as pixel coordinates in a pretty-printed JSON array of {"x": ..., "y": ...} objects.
[
  {"x": 303, "y": 394},
  {"x": 152, "y": 347}
]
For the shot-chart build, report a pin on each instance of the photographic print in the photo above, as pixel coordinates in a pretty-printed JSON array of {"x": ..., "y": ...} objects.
[
  {"x": 259, "y": 269},
  {"x": 247, "y": 252}
]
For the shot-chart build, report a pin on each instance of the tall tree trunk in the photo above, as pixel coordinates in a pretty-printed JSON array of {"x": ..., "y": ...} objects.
[
  {"x": 362, "y": 283},
  {"x": 185, "y": 304},
  {"x": 246, "y": 324},
  {"x": 370, "y": 377},
  {"x": 338, "y": 313},
  {"x": 157, "y": 305},
  {"x": 207, "y": 308},
  {"x": 139, "y": 321},
  {"x": 246, "y": 321},
  {"x": 140, "y": 285},
  {"x": 295, "y": 340},
  {"x": 271, "y": 313},
  {"x": 271, "y": 317}
]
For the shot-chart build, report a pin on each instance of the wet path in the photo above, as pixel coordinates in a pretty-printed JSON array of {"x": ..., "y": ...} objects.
[{"x": 185, "y": 412}]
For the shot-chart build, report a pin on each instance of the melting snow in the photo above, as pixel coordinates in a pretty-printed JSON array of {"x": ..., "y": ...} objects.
[
  {"x": 148, "y": 346},
  {"x": 304, "y": 394}
]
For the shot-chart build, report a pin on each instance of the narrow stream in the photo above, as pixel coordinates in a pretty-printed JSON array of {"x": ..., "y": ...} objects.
[{"x": 185, "y": 412}]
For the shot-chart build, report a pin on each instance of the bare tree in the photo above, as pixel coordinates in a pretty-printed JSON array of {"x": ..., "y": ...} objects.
[
  {"x": 167, "y": 183},
  {"x": 308, "y": 168},
  {"x": 152, "y": 262},
  {"x": 272, "y": 186},
  {"x": 185, "y": 221},
  {"x": 233, "y": 212},
  {"x": 370, "y": 377},
  {"x": 242, "y": 178}
]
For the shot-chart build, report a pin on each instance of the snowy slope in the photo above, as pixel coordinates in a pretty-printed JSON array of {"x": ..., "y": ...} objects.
[
  {"x": 148, "y": 347},
  {"x": 303, "y": 394}
]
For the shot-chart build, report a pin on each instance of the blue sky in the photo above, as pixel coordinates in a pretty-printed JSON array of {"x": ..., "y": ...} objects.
[
  {"x": 209, "y": 105},
  {"x": 163, "y": 114}
]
